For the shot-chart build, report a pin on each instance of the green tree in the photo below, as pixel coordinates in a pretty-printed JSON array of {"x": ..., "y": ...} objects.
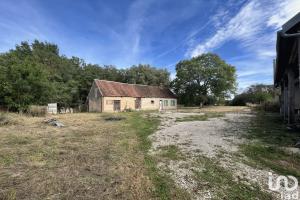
[
  {"x": 204, "y": 79},
  {"x": 256, "y": 94},
  {"x": 23, "y": 83},
  {"x": 147, "y": 75}
]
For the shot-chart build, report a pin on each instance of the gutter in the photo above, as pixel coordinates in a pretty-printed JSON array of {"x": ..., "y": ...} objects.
[{"x": 285, "y": 35}]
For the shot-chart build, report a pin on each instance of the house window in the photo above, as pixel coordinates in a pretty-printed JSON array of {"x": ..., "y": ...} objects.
[
  {"x": 165, "y": 102},
  {"x": 173, "y": 103},
  {"x": 152, "y": 101}
]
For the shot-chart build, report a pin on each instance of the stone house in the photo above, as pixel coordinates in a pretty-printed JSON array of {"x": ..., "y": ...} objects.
[
  {"x": 110, "y": 96},
  {"x": 286, "y": 69}
]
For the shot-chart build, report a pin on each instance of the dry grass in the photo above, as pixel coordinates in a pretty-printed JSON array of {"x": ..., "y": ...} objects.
[{"x": 89, "y": 158}]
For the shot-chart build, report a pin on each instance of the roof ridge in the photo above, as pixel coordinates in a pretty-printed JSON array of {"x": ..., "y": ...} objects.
[{"x": 130, "y": 83}]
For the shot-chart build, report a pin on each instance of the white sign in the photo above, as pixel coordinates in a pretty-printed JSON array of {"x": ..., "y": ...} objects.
[{"x": 52, "y": 108}]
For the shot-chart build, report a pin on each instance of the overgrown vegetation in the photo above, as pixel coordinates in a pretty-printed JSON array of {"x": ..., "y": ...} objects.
[
  {"x": 213, "y": 177},
  {"x": 268, "y": 140},
  {"x": 203, "y": 117}
]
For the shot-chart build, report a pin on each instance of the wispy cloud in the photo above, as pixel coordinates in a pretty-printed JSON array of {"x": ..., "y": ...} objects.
[
  {"x": 283, "y": 11},
  {"x": 248, "y": 27}
]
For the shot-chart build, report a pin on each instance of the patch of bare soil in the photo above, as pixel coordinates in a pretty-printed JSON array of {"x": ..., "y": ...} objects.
[{"x": 216, "y": 138}]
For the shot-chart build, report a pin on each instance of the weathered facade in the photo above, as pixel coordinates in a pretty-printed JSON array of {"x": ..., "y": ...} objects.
[
  {"x": 110, "y": 96},
  {"x": 286, "y": 69}
]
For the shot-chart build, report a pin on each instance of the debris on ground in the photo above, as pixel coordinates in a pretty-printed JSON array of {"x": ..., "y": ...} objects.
[
  {"x": 117, "y": 118},
  {"x": 297, "y": 145},
  {"x": 54, "y": 122}
]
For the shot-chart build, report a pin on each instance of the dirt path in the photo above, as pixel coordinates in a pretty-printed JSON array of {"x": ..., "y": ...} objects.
[{"x": 216, "y": 139}]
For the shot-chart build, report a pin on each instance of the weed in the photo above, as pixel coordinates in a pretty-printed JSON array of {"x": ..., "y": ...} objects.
[
  {"x": 273, "y": 158},
  {"x": 6, "y": 159},
  {"x": 215, "y": 178},
  {"x": 268, "y": 137},
  {"x": 171, "y": 152}
]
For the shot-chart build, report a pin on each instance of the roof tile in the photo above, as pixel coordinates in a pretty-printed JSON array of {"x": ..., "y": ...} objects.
[{"x": 117, "y": 89}]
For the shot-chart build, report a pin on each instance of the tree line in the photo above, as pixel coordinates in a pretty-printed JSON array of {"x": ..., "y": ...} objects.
[
  {"x": 256, "y": 94},
  {"x": 37, "y": 74}
]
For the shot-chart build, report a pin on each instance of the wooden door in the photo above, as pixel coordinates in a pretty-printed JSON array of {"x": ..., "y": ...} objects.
[
  {"x": 117, "y": 105},
  {"x": 138, "y": 103}
]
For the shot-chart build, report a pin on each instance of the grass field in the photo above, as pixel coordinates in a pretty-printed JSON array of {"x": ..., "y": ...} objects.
[
  {"x": 89, "y": 158},
  {"x": 95, "y": 158}
]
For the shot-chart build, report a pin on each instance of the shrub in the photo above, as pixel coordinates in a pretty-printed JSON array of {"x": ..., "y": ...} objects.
[{"x": 37, "y": 111}]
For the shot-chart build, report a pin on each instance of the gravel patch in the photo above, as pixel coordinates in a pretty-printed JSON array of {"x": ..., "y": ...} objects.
[{"x": 207, "y": 138}]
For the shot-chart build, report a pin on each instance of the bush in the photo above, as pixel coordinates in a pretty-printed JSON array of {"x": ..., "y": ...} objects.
[
  {"x": 37, "y": 111},
  {"x": 239, "y": 100}
]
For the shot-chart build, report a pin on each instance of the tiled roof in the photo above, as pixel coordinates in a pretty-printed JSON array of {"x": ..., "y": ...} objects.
[{"x": 117, "y": 89}]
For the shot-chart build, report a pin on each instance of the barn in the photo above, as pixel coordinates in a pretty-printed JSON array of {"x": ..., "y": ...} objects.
[
  {"x": 287, "y": 69},
  {"x": 110, "y": 96}
]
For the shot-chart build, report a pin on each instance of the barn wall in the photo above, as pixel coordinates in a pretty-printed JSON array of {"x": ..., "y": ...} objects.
[
  {"x": 129, "y": 103},
  {"x": 147, "y": 105},
  {"x": 126, "y": 103},
  {"x": 95, "y": 99}
]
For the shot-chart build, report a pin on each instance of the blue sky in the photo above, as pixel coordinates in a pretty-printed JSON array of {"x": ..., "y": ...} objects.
[{"x": 156, "y": 32}]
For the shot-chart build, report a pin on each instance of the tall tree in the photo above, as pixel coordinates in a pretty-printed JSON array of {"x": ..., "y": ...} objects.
[
  {"x": 147, "y": 75},
  {"x": 203, "y": 78}
]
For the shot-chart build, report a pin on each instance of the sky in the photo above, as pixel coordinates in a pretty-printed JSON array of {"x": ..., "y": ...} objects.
[{"x": 155, "y": 32}]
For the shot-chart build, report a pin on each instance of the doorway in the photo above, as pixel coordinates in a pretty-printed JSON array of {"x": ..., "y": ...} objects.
[
  {"x": 138, "y": 103},
  {"x": 160, "y": 105},
  {"x": 117, "y": 105}
]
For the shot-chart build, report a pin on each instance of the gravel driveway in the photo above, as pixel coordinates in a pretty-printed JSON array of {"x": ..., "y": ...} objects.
[{"x": 216, "y": 138}]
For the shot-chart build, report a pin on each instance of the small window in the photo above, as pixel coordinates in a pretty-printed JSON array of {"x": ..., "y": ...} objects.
[
  {"x": 173, "y": 103},
  {"x": 152, "y": 101},
  {"x": 166, "y": 102}
]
